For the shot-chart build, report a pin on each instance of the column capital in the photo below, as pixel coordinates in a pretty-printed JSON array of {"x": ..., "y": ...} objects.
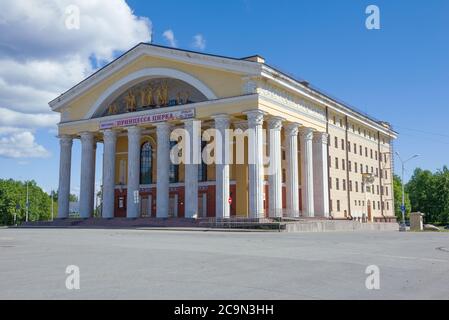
[
  {"x": 221, "y": 121},
  {"x": 320, "y": 137},
  {"x": 255, "y": 117},
  {"x": 292, "y": 129},
  {"x": 163, "y": 127},
  {"x": 134, "y": 130},
  {"x": 110, "y": 134},
  {"x": 65, "y": 140},
  {"x": 275, "y": 123},
  {"x": 306, "y": 133},
  {"x": 242, "y": 125},
  {"x": 87, "y": 136}
]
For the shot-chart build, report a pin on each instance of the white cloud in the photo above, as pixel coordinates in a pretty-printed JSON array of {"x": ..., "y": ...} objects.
[
  {"x": 27, "y": 120},
  {"x": 40, "y": 57},
  {"x": 170, "y": 38},
  {"x": 199, "y": 42},
  {"x": 21, "y": 145}
]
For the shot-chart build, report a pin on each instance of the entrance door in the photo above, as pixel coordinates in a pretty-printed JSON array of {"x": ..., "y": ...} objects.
[
  {"x": 202, "y": 205},
  {"x": 369, "y": 212},
  {"x": 145, "y": 206},
  {"x": 173, "y": 206}
]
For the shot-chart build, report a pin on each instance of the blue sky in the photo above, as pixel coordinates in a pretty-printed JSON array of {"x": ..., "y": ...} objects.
[{"x": 399, "y": 73}]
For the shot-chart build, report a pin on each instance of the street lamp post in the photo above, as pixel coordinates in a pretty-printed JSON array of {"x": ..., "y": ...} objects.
[{"x": 402, "y": 228}]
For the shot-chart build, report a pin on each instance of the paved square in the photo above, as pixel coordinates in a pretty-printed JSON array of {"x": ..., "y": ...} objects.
[{"x": 143, "y": 264}]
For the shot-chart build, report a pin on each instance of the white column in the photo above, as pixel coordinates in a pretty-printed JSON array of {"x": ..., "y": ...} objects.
[
  {"x": 192, "y": 159},
  {"x": 163, "y": 165},
  {"x": 87, "y": 183},
  {"x": 110, "y": 141},
  {"x": 256, "y": 165},
  {"x": 292, "y": 174},
  {"x": 320, "y": 174},
  {"x": 222, "y": 206},
  {"x": 133, "y": 183},
  {"x": 275, "y": 167},
  {"x": 65, "y": 161},
  {"x": 307, "y": 172}
]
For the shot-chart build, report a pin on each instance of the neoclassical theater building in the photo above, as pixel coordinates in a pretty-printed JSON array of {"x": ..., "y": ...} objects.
[{"x": 329, "y": 160}]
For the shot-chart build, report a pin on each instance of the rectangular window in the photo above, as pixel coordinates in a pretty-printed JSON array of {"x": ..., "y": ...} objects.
[
  {"x": 349, "y": 166},
  {"x": 366, "y": 152},
  {"x": 330, "y": 183},
  {"x": 371, "y": 153},
  {"x": 375, "y": 155},
  {"x": 349, "y": 146},
  {"x": 338, "y": 205},
  {"x": 356, "y": 186},
  {"x": 337, "y": 184},
  {"x": 360, "y": 150},
  {"x": 336, "y": 142},
  {"x": 355, "y": 167},
  {"x": 361, "y": 168},
  {"x": 343, "y": 164},
  {"x": 355, "y": 148},
  {"x": 344, "y": 184},
  {"x": 342, "y": 144},
  {"x": 336, "y": 163},
  {"x": 386, "y": 191},
  {"x": 350, "y": 185}
]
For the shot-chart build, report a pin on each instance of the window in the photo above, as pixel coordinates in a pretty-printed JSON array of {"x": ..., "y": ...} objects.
[
  {"x": 349, "y": 166},
  {"x": 336, "y": 163},
  {"x": 349, "y": 146},
  {"x": 355, "y": 167},
  {"x": 371, "y": 153},
  {"x": 374, "y": 205},
  {"x": 355, "y": 148},
  {"x": 335, "y": 120},
  {"x": 202, "y": 170},
  {"x": 350, "y": 185},
  {"x": 330, "y": 205},
  {"x": 386, "y": 191},
  {"x": 341, "y": 123},
  {"x": 360, "y": 150},
  {"x": 336, "y": 142},
  {"x": 146, "y": 164},
  {"x": 377, "y": 172},
  {"x": 356, "y": 186},
  {"x": 386, "y": 174},
  {"x": 338, "y": 205},
  {"x": 375, "y": 155},
  {"x": 337, "y": 184},
  {"x": 388, "y": 206},
  {"x": 342, "y": 144},
  {"x": 366, "y": 167},
  {"x": 344, "y": 184},
  {"x": 330, "y": 183},
  {"x": 361, "y": 168},
  {"x": 343, "y": 164},
  {"x": 173, "y": 172}
]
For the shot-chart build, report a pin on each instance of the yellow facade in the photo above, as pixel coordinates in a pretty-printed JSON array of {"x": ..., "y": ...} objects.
[{"x": 240, "y": 86}]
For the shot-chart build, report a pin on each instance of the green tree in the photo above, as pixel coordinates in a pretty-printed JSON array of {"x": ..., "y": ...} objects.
[
  {"x": 13, "y": 201},
  {"x": 397, "y": 189}
]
